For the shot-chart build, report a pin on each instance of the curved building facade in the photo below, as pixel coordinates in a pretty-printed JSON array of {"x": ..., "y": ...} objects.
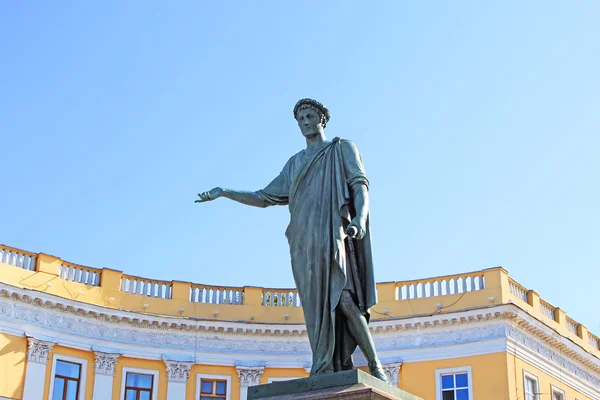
[{"x": 73, "y": 332}]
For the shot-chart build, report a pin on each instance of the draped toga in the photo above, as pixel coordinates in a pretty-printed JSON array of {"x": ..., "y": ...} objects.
[{"x": 318, "y": 191}]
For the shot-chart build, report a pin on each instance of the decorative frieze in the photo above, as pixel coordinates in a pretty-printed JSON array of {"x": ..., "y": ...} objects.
[
  {"x": 38, "y": 350},
  {"x": 392, "y": 371},
  {"x": 178, "y": 371},
  {"x": 105, "y": 363},
  {"x": 78, "y": 325},
  {"x": 558, "y": 358},
  {"x": 249, "y": 376}
]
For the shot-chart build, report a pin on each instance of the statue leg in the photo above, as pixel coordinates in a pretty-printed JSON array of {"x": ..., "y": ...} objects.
[{"x": 357, "y": 324}]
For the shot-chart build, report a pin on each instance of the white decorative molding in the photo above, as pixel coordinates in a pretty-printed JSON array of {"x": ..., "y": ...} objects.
[
  {"x": 492, "y": 329},
  {"x": 557, "y": 365},
  {"x": 178, "y": 371},
  {"x": 249, "y": 376},
  {"x": 392, "y": 371},
  {"x": 105, "y": 363},
  {"x": 38, "y": 350}
]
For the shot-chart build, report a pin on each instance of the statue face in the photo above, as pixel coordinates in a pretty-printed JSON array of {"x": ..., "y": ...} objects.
[{"x": 309, "y": 122}]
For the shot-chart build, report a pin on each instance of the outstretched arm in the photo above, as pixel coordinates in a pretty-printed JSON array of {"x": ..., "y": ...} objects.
[{"x": 241, "y": 196}]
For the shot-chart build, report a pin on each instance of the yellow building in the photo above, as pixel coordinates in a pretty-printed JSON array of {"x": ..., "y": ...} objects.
[{"x": 69, "y": 331}]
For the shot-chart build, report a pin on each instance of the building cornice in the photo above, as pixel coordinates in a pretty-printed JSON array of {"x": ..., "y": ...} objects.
[{"x": 81, "y": 325}]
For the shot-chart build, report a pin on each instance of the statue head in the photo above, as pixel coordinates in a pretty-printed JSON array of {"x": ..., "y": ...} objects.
[{"x": 312, "y": 117}]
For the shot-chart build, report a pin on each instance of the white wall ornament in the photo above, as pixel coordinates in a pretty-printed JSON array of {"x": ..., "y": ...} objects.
[
  {"x": 440, "y": 336},
  {"x": 78, "y": 325},
  {"x": 392, "y": 371},
  {"x": 549, "y": 354},
  {"x": 249, "y": 376},
  {"x": 105, "y": 363},
  {"x": 178, "y": 371},
  {"x": 38, "y": 350}
]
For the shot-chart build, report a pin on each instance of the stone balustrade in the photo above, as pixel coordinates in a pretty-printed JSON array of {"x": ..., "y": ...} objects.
[
  {"x": 280, "y": 298},
  {"x": 112, "y": 288},
  {"x": 518, "y": 291},
  {"x": 553, "y": 316},
  {"x": 594, "y": 341},
  {"x": 80, "y": 274},
  {"x": 146, "y": 287},
  {"x": 17, "y": 258},
  {"x": 216, "y": 294},
  {"x": 547, "y": 309},
  {"x": 572, "y": 326},
  {"x": 440, "y": 286}
]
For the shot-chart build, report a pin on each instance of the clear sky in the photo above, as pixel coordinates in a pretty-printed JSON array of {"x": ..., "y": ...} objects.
[{"x": 478, "y": 123}]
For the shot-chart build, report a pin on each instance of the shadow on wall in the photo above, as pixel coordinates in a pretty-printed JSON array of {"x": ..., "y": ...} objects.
[{"x": 12, "y": 367}]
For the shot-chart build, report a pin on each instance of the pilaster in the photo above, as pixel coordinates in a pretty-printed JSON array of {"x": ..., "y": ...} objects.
[
  {"x": 248, "y": 376},
  {"x": 35, "y": 373},
  {"x": 104, "y": 370},
  {"x": 177, "y": 374},
  {"x": 392, "y": 371}
]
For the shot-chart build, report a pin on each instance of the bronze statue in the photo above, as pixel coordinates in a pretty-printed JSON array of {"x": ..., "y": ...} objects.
[{"x": 326, "y": 188}]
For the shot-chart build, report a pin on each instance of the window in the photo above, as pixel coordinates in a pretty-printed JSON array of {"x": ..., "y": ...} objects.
[
  {"x": 454, "y": 384},
  {"x": 138, "y": 386},
  {"x": 557, "y": 394},
  {"x": 531, "y": 386},
  {"x": 213, "y": 389},
  {"x": 66, "y": 380}
]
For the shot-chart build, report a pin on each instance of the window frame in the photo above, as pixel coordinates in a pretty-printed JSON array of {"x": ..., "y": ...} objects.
[
  {"x": 453, "y": 371},
  {"x": 200, "y": 376},
  {"x": 534, "y": 378},
  {"x": 82, "y": 373},
  {"x": 153, "y": 372},
  {"x": 556, "y": 389}
]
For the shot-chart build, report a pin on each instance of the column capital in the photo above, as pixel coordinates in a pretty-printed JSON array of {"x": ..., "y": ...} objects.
[
  {"x": 105, "y": 363},
  {"x": 249, "y": 376},
  {"x": 38, "y": 350},
  {"x": 392, "y": 371},
  {"x": 178, "y": 371}
]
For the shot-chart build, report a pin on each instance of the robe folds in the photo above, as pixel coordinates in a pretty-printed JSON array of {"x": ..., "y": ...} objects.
[{"x": 318, "y": 191}]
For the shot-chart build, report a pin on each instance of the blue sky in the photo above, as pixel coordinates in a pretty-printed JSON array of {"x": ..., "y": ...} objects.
[{"x": 477, "y": 122}]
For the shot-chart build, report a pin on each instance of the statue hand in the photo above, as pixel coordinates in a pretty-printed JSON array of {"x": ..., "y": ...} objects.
[
  {"x": 357, "y": 229},
  {"x": 210, "y": 195}
]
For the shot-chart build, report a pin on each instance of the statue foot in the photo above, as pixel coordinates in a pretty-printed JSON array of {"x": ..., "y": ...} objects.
[{"x": 377, "y": 371}]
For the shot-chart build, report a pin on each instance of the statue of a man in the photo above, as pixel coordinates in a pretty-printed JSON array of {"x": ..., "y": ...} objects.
[{"x": 326, "y": 188}]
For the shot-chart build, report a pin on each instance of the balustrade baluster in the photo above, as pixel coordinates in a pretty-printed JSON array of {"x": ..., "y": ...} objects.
[{"x": 6, "y": 257}]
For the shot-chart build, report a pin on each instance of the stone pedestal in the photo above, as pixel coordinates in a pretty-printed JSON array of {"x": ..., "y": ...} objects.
[{"x": 350, "y": 385}]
